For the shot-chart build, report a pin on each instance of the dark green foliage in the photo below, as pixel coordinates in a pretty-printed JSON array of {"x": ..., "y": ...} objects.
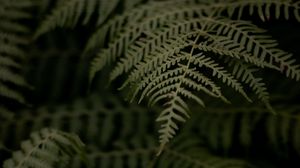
[
  {"x": 245, "y": 129},
  {"x": 126, "y": 139},
  {"x": 206, "y": 63},
  {"x": 99, "y": 122},
  {"x": 169, "y": 52},
  {"x": 13, "y": 39},
  {"x": 46, "y": 148}
]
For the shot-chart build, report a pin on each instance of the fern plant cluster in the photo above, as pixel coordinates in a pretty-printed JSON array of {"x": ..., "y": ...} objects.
[
  {"x": 170, "y": 53},
  {"x": 198, "y": 62},
  {"x": 119, "y": 144}
]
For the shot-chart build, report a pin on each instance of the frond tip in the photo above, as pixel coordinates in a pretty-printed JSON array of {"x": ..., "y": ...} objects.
[{"x": 46, "y": 148}]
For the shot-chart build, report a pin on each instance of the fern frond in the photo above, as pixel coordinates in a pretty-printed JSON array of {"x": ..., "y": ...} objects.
[
  {"x": 140, "y": 157},
  {"x": 109, "y": 128},
  {"x": 165, "y": 83},
  {"x": 180, "y": 9},
  {"x": 246, "y": 74},
  {"x": 4, "y": 61},
  {"x": 99, "y": 120},
  {"x": 263, "y": 47},
  {"x": 171, "y": 53},
  {"x": 45, "y": 149},
  {"x": 188, "y": 151},
  {"x": 12, "y": 42},
  {"x": 116, "y": 47},
  {"x": 11, "y": 93},
  {"x": 184, "y": 153},
  {"x": 219, "y": 129},
  {"x": 133, "y": 22},
  {"x": 266, "y": 9},
  {"x": 73, "y": 12},
  {"x": 68, "y": 13}
]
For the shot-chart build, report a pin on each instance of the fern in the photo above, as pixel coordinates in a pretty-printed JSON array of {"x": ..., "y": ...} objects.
[
  {"x": 237, "y": 128},
  {"x": 181, "y": 56},
  {"x": 130, "y": 144},
  {"x": 46, "y": 148},
  {"x": 247, "y": 74},
  {"x": 169, "y": 50},
  {"x": 67, "y": 69},
  {"x": 12, "y": 42},
  {"x": 101, "y": 121},
  {"x": 191, "y": 153},
  {"x": 70, "y": 13},
  {"x": 187, "y": 154},
  {"x": 117, "y": 158}
]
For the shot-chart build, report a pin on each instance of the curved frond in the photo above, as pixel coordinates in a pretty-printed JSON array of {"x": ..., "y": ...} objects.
[
  {"x": 260, "y": 45},
  {"x": 170, "y": 53},
  {"x": 247, "y": 75},
  {"x": 45, "y": 149}
]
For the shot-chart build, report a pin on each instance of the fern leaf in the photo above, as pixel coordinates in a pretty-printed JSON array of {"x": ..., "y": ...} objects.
[
  {"x": 11, "y": 94},
  {"x": 43, "y": 148},
  {"x": 8, "y": 76},
  {"x": 262, "y": 47},
  {"x": 132, "y": 32},
  {"x": 105, "y": 9},
  {"x": 118, "y": 158},
  {"x": 73, "y": 12},
  {"x": 266, "y": 9},
  {"x": 184, "y": 153},
  {"x": 8, "y": 63},
  {"x": 189, "y": 152},
  {"x": 173, "y": 112},
  {"x": 162, "y": 44},
  {"x": 117, "y": 27},
  {"x": 13, "y": 39},
  {"x": 68, "y": 14},
  {"x": 218, "y": 127},
  {"x": 105, "y": 56},
  {"x": 246, "y": 74},
  {"x": 220, "y": 73},
  {"x": 118, "y": 142},
  {"x": 105, "y": 117}
]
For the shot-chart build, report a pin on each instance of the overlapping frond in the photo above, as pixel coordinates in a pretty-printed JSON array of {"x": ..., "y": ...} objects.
[
  {"x": 171, "y": 53},
  {"x": 101, "y": 121},
  {"x": 12, "y": 42},
  {"x": 266, "y": 9},
  {"x": 177, "y": 9},
  {"x": 46, "y": 148},
  {"x": 262, "y": 46},
  {"x": 189, "y": 152},
  {"x": 246, "y": 73},
  {"x": 185, "y": 153},
  {"x": 237, "y": 128},
  {"x": 69, "y": 13}
]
